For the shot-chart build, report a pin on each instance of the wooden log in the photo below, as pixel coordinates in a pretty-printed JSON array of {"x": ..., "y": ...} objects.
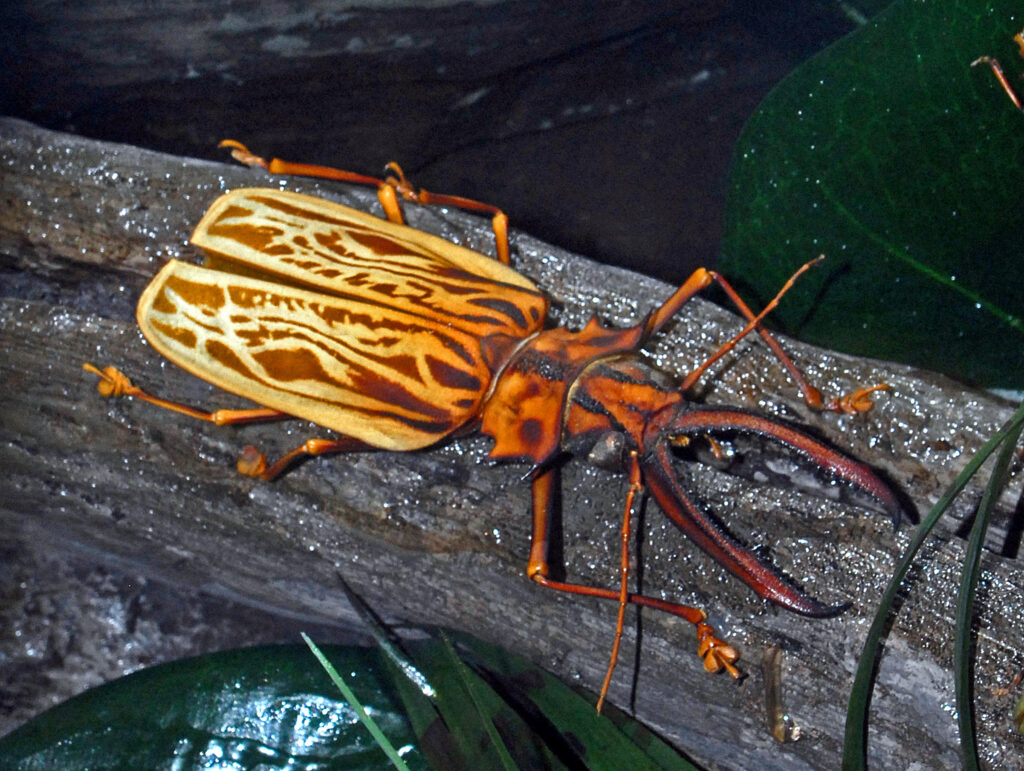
[{"x": 441, "y": 537}]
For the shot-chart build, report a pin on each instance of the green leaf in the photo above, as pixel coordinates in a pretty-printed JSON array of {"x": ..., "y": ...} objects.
[
  {"x": 611, "y": 740},
  {"x": 965, "y": 596},
  {"x": 482, "y": 728},
  {"x": 258, "y": 707},
  {"x": 900, "y": 162}
]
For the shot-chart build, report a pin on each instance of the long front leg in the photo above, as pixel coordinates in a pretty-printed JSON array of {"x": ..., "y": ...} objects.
[
  {"x": 717, "y": 655},
  {"x": 852, "y": 403}
]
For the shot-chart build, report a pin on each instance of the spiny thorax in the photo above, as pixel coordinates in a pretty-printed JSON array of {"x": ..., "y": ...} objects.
[
  {"x": 527, "y": 408},
  {"x": 617, "y": 397}
]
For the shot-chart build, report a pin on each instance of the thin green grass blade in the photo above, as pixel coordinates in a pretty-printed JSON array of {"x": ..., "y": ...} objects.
[
  {"x": 364, "y": 716},
  {"x": 417, "y": 694},
  {"x": 433, "y": 738},
  {"x": 965, "y": 599},
  {"x": 388, "y": 642},
  {"x": 472, "y": 719},
  {"x": 855, "y": 740}
]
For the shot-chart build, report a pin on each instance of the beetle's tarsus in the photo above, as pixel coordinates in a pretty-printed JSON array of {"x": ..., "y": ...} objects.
[
  {"x": 252, "y": 462},
  {"x": 857, "y": 401},
  {"x": 717, "y": 654},
  {"x": 242, "y": 154},
  {"x": 112, "y": 382}
]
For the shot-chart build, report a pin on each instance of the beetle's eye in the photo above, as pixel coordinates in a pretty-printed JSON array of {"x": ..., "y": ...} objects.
[{"x": 608, "y": 451}]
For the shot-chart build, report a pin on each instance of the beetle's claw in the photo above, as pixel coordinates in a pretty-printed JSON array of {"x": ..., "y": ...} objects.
[
  {"x": 716, "y": 653},
  {"x": 857, "y": 401},
  {"x": 113, "y": 382},
  {"x": 252, "y": 462},
  {"x": 242, "y": 154}
]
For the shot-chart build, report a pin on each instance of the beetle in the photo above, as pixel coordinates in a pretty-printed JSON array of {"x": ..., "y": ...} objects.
[{"x": 398, "y": 340}]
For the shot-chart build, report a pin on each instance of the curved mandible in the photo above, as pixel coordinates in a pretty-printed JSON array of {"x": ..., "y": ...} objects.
[{"x": 764, "y": 579}]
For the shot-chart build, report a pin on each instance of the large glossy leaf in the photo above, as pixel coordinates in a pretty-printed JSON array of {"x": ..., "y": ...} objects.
[
  {"x": 894, "y": 157},
  {"x": 274, "y": 706},
  {"x": 267, "y": 707}
]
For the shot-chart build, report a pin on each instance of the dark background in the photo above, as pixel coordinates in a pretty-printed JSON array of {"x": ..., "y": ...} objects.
[{"x": 606, "y": 128}]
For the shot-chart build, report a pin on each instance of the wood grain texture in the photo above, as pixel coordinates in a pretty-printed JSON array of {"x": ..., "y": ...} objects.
[{"x": 442, "y": 537}]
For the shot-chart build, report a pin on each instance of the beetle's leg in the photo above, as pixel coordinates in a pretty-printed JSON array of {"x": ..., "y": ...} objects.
[
  {"x": 113, "y": 382},
  {"x": 253, "y": 463},
  {"x": 997, "y": 70},
  {"x": 635, "y": 486},
  {"x": 385, "y": 190},
  {"x": 389, "y": 190},
  {"x": 717, "y": 655},
  {"x": 499, "y": 220},
  {"x": 852, "y": 403}
]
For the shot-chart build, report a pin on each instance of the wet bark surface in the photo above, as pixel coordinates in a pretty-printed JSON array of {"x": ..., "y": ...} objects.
[{"x": 129, "y": 539}]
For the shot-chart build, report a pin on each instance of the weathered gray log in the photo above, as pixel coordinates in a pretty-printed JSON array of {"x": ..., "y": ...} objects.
[{"x": 441, "y": 536}]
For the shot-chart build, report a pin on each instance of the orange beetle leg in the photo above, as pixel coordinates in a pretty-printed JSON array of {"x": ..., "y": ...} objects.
[
  {"x": 701, "y": 279},
  {"x": 857, "y": 401},
  {"x": 113, "y": 382},
  {"x": 997, "y": 70},
  {"x": 242, "y": 154},
  {"x": 253, "y": 463},
  {"x": 393, "y": 186},
  {"x": 715, "y": 653},
  {"x": 389, "y": 202}
]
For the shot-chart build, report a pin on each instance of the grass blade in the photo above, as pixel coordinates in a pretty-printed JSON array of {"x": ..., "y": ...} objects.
[
  {"x": 965, "y": 600},
  {"x": 364, "y": 716},
  {"x": 855, "y": 741},
  {"x": 472, "y": 685}
]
